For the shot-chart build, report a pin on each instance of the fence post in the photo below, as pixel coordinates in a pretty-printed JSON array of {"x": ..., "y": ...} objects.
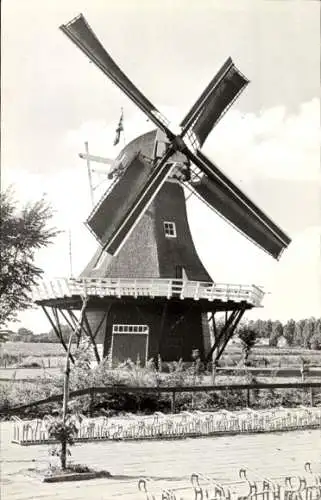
[
  {"x": 311, "y": 396},
  {"x": 248, "y": 398},
  {"x": 91, "y": 402},
  {"x": 173, "y": 402}
]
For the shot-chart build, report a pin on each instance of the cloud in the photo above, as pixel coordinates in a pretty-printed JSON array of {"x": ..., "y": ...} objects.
[
  {"x": 100, "y": 134},
  {"x": 295, "y": 285},
  {"x": 271, "y": 144}
]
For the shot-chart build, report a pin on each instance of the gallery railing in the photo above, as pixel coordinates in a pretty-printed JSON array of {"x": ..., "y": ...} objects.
[{"x": 153, "y": 287}]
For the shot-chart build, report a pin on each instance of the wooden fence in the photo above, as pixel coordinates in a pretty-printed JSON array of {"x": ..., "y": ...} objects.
[{"x": 248, "y": 390}]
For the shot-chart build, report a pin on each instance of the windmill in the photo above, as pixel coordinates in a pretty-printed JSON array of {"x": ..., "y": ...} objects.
[{"x": 149, "y": 293}]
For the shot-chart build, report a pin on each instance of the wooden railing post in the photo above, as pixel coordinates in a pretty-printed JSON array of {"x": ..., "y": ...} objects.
[
  {"x": 248, "y": 398},
  {"x": 91, "y": 402},
  {"x": 173, "y": 408}
]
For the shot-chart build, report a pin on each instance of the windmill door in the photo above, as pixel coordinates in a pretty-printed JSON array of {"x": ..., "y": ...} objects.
[{"x": 130, "y": 342}]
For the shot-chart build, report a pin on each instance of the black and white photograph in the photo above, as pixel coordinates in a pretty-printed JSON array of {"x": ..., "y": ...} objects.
[{"x": 160, "y": 244}]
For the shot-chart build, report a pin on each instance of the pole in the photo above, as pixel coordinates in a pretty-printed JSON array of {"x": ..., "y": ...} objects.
[
  {"x": 248, "y": 398},
  {"x": 70, "y": 252},
  {"x": 65, "y": 406},
  {"x": 91, "y": 403},
  {"x": 67, "y": 367},
  {"x": 66, "y": 383},
  {"x": 89, "y": 174},
  {"x": 173, "y": 408}
]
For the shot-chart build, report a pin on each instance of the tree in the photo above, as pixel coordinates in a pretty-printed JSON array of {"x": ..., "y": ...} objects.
[
  {"x": 277, "y": 332},
  {"x": 307, "y": 332},
  {"x": 248, "y": 338},
  {"x": 297, "y": 336},
  {"x": 25, "y": 335},
  {"x": 23, "y": 232},
  {"x": 66, "y": 331},
  {"x": 63, "y": 429},
  {"x": 315, "y": 340},
  {"x": 258, "y": 326},
  {"x": 288, "y": 331},
  {"x": 4, "y": 335}
]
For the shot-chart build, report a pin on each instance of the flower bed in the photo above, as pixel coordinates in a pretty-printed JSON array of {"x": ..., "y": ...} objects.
[{"x": 74, "y": 472}]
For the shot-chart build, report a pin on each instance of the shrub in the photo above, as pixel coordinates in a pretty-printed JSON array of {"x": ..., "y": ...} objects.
[
  {"x": 7, "y": 359},
  {"x": 30, "y": 362},
  {"x": 248, "y": 339}
]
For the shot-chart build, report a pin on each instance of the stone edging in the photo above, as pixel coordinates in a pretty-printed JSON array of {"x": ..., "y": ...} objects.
[{"x": 75, "y": 476}]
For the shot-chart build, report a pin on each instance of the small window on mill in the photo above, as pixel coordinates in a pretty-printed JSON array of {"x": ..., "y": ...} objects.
[{"x": 170, "y": 229}]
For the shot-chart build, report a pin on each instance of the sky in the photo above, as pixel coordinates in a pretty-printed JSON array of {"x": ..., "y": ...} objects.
[{"x": 53, "y": 100}]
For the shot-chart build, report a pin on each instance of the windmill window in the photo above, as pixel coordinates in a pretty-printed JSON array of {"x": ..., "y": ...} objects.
[
  {"x": 170, "y": 229},
  {"x": 126, "y": 329}
]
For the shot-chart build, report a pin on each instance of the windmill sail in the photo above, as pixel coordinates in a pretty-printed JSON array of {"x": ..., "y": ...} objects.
[
  {"x": 113, "y": 205},
  {"x": 229, "y": 201},
  {"x": 218, "y": 96},
  {"x": 119, "y": 211},
  {"x": 81, "y": 34}
]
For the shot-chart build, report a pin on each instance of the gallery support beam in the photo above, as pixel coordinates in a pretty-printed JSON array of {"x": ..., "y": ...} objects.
[
  {"x": 222, "y": 337},
  {"x": 56, "y": 329},
  {"x": 84, "y": 326},
  {"x": 71, "y": 324},
  {"x": 229, "y": 332},
  {"x": 100, "y": 324},
  {"x": 92, "y": 339}
]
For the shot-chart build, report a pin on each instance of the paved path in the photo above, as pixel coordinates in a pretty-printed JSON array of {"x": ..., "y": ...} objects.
[{"x": 169, "y": 462}]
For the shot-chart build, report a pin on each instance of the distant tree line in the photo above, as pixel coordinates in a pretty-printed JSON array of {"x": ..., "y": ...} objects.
[
  {"x": 26, "y": 335},
  {"x": 304, "y": 333}
]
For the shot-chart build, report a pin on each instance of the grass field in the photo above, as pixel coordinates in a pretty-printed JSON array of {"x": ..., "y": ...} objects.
[
  {"x": 56, "y": 349},
  {"x": 32, "y": 349},
  {"x": 51, "y": 354}
]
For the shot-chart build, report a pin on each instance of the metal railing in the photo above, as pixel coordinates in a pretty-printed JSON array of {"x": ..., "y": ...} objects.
[
  {"x": 250, "y": 485},
  {"x": 174, "y": 426},
  {"x": 147, "y": 287}
]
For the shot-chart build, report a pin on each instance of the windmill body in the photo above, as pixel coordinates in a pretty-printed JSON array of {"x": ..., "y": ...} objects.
[
  {"x": 148, "y": 293},
  {"x": 159, "y": 248}
]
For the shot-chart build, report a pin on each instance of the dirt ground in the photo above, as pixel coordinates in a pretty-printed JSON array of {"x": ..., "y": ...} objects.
[{"x": 170, "y": 463}]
